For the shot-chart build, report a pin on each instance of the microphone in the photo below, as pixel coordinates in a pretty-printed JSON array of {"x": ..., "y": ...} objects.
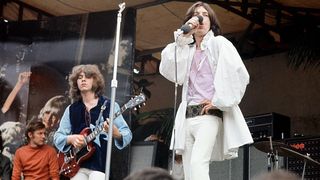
[{"x": 186, "y": 28}]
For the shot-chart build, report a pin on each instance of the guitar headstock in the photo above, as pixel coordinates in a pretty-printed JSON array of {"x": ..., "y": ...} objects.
[{"x": 137, "y": 100}]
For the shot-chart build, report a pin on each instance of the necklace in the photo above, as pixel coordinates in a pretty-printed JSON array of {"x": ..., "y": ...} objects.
[{"x": 198, "y": 59}]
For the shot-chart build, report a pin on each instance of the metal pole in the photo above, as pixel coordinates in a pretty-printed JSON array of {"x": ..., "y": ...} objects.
[
  {"x": 114, "y": 84},
  {"x": 304, "y": 169},
  {"x": 174, "y": 107},
  {"x": 246, "y": 161}
]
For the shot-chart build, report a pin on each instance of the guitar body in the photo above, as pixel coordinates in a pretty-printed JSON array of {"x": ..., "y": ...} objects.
[
  {"x": 69, "y": 162},
  {"x": 86, "y": 153},
  {"x": 67, "y": 169}
]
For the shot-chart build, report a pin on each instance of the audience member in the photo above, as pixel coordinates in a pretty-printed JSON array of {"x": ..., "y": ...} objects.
[
  {"x": 22, "y": 79},
  {"x": 5, "y": 164},
  {"x": 51, "y": 114},
  {"x": 277, "y": 175},
  {"x": 36, "y": 160},
  {"x": 12, "y": 137}
]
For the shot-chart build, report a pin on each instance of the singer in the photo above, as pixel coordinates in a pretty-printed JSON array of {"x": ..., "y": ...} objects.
[
  {"x": 209, "y": 125},
  {"x": 86, "y": 88}
]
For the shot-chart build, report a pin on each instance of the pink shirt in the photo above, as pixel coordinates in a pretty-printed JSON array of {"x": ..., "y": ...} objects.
[{"x": 201, "y": 85}]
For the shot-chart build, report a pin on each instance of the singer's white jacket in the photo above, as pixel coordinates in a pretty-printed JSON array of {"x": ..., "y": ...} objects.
[{"x": 230, "y": 81}]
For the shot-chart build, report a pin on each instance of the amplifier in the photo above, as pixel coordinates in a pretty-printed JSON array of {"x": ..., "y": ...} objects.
[
  {"x": 304, "y": 146},
  {"x": 271, "y": 124}
]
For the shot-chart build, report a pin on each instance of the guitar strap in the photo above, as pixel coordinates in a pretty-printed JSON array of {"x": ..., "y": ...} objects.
[{"x": 103, "y": 107}]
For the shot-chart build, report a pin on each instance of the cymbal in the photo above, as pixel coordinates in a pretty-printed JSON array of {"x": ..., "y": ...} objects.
[
  {"x": 295, "y": 154},
  {"x": 264, "y": 146}
]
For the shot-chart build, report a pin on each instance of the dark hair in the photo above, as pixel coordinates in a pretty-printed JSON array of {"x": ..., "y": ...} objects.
[
  {"x": 214, "y": 22},
  {"x": 89, "y": 70},
  {"x": 33, "y": 126},
  {"x": 153, "y": 173}
]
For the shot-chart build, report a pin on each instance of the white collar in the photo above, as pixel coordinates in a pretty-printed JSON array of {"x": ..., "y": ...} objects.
[{"x": 205, "y": 40}]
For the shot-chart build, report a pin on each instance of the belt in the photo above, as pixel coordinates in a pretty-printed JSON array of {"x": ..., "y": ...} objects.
[{"x": 195, "y": 110}]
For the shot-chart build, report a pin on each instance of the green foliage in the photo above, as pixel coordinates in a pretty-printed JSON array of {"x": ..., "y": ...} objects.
[
  {"x": 305, "y": 52},
  {"x": 163, "y": 115}
]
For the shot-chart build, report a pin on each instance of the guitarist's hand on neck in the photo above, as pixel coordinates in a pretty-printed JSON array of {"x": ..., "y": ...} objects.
[
  {"x": 115, "y": 131},
  {"x": 77, "y": 140}
]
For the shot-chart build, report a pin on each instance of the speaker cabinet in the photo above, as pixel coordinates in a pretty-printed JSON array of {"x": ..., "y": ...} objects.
[
  {"x": 143, "y": 155},
  {"x": 271, "y": 124},
  {"x": 304, "y": 146},
  {"x": 250, "y": 162},
  {"x": 148, "y": 154},
  {"x": 228, "y": 169}
]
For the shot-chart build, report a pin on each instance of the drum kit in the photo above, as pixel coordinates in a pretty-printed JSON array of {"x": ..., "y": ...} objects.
[{"x": 276, "y": 149}]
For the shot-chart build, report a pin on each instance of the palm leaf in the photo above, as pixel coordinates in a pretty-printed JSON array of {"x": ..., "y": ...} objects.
[{"x": 163, "y": 115}]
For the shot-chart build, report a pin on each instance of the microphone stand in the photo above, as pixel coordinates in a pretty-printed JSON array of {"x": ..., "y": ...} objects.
[
  {"x": 175, "y": 104},
  {"x": 304, "y": 167},
  {"x": 272, "y": 157},
  {"x": 114, "y": 84}
]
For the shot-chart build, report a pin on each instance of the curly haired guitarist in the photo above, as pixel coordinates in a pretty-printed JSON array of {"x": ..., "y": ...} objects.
[{"x": 86, "y": 87}]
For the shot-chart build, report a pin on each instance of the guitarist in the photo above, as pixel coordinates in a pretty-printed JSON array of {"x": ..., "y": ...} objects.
[{"x": 86, "y": 86}]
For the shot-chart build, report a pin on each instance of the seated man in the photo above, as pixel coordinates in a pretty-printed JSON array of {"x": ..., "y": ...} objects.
[{"x": 36, "y": 160}]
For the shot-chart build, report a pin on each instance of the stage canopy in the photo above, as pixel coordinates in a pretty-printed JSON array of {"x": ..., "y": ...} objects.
[{"x": 263, "y": 24}]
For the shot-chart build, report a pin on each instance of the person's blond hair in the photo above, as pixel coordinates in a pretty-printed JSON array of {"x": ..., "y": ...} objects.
[{"x": 56, "y": 105}]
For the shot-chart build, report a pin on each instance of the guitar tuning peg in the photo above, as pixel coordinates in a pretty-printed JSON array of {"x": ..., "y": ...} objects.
[
  {"x": 144, "y": 104},
  {"x": 135, "y": 109}
]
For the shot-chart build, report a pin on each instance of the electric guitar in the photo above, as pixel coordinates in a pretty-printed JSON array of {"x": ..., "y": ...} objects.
[{"x": 69, "y": 162}]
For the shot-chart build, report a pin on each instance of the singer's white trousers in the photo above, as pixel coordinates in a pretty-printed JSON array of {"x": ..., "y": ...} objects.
[
  {"x": 201, "y": 133},
  {"x": 87, "y": 174}
]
